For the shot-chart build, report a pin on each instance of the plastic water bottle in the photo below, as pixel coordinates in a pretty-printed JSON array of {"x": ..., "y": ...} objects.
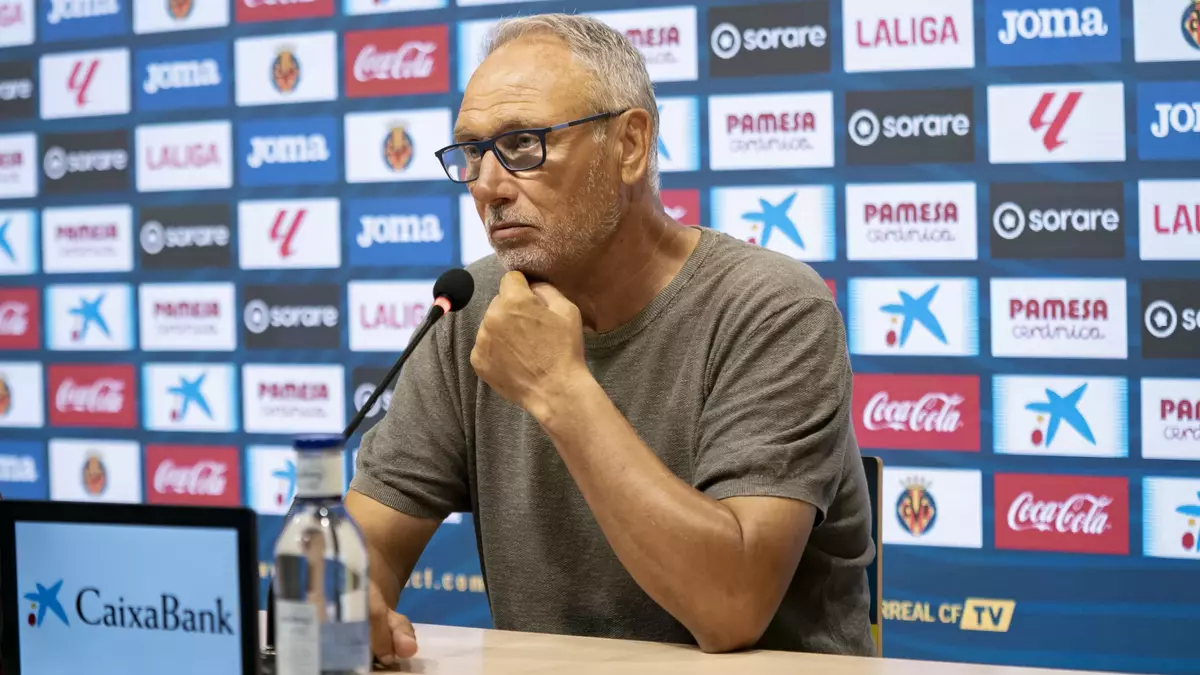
[{"x": 321, "y": 587}]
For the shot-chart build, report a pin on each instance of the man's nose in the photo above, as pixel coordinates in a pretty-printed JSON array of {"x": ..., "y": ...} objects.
[{"x": 494, "y": 183}]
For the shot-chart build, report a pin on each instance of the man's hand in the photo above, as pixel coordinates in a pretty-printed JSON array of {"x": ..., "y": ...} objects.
[
  {"x": 392, "y": 635},
  {"x": 530, "y": 343}
]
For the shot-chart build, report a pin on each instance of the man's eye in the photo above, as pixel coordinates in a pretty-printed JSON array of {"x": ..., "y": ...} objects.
[{"x": 525, "y": 141}]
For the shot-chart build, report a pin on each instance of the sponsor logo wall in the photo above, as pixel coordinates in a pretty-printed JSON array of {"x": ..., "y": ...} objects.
[{"x": 221, "y": 221}]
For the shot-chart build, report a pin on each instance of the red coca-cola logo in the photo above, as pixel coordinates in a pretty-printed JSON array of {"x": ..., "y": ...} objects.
[
  {"x": 917, "y": 412},
  {"x": 1072, "y": 514},
  {"x": 20, "y": 318},
  {"x": 832, "y": 288},
  {"x": 251, "y": 11},
  {"x": 92, "y": 396},
  {"x": 193, "y": 475},
  {"x": 397, "y": 61},
  {"x": 682, "y": 205}
]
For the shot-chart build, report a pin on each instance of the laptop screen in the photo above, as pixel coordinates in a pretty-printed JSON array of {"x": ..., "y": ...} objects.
[{"x": 107, "y": 599}]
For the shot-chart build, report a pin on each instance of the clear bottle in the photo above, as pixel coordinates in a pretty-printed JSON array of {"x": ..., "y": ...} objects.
[{"x": 321, "y": 588}]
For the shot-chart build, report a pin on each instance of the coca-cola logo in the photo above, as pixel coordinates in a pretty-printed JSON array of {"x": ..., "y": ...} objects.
[
  {"x": 397, "y": 61},
  {"x": 105, "y": 396},
  {"x": 917, "y": 412},
  {"x": 1078, "y": 514},
  {"x": 204, "y": 478},
  {"x": 934, "y": 412},
  {"x": 14, "y": 318},
  {"x": 412, "y": 60}
]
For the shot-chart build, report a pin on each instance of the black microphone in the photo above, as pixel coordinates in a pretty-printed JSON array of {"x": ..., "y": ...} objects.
[{"x": 451, "y": 292}]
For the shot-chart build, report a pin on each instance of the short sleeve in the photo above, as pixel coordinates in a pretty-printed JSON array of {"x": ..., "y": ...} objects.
[
  {"x": 776, "y": 418},
  {"x": 415, "y": 459}
]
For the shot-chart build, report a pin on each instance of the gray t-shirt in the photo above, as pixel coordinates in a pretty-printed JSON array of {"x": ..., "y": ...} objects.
[{"x": 736, "y": 375}]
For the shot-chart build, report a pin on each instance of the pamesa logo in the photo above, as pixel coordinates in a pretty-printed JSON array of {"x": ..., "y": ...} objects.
[{"x": 92, "y": 610}]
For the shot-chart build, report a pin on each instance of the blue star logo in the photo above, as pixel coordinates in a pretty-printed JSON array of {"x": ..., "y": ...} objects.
[
  {"x": 1063, "y": 409},
  {"x": 662, "y": 147},
  {"x": 189, "y": 392},
  {"x": 287, "y": 474},
  {"x": 47, "y": 599},
  {"x": 5, "y": 248},
  {"x": 775, "y": 217},
  {"x": 89, "y": 313},
  {"x": 914, "y": 311}
]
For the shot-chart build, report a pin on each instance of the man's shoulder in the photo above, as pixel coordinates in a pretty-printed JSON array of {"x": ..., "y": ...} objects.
[{"x": 748, "y": 275}]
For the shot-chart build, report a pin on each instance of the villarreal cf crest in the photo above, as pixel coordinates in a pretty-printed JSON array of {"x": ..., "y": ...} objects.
[
  {"x": 397, "y": 148},
  {"x": 916, "y": 508},
  {"x": 285, "y": 71}
]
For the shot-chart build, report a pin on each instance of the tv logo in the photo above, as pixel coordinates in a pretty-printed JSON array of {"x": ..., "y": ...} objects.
[
  {"x": 1053, "y": 32},
  {"x": 895, "y": 127},
  {"x": 62, "y": 20},
  {"x": 85, "y": 84},
  {"x": 1171, "y": 319},
  {"x": 1168, "y": 120},
  {"x": 400, "y": 231},
  {"x": 92, "y": 317},
  {"x": 1169, "y": 219},
  {"x": 196, "y": 236},
  {"x": 187, "y": 317},
  {"x": 1061, "y": 416},
  {"x": 915, "y": 316},
  {"x": 1059, "y": 318},
  {"x": 1037, "y": 123},
  {"x": 796, "y": 221},
  {"x": 190, "y": 397},
  {"x": 1055, "y": 221},
  {"x": 85, "y": 162},
  {"x": 296, "y": 151},
  {"x": 292, "y": 317},
  {"x": 290, "y": 234},
  {"x": 23, "y": 472},
  {"x": 179, "y": 78},
  {"x": 769, "y": 39}
]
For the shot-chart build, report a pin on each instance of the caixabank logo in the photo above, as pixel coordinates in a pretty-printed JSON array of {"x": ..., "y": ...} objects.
[
  {"x": 1051, "y": 221},
  {"x": 769, "y": 39},
  {"x": 1052, "y": 32},
  {"x": 96, "y": 608},
  {"x": 1171, "y": 319},
  {"x": 910, "y": 127}
]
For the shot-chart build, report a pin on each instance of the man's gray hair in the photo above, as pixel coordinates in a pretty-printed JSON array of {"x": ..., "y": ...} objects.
[{"x": 619, "y": 77}]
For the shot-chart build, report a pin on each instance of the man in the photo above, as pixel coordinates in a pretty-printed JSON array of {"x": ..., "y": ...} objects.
[{"x": 650, "y": 422}]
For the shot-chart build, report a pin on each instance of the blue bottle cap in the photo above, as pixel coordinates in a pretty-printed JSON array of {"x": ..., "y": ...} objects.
[{"x": 317, "y": 442}]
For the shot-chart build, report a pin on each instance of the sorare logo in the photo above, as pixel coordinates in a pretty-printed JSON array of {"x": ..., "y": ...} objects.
[
  {"x": 769, "y": 39},
  {"x": 290, "y": 151},
  {"x": 23, "y": 470},
  {"x": 1171, "y": 319},
  {"x": 412, "y": 231},
  {"x": 196, "y": 236},
  {"x": 1052, "y": 32},
  {"x": 74, "y": 163},
  {"x": 1051, "y": 221},
  {"x": 18, "y": 93},
  {"x": 906, "y": 127},
  {"x": 364, "y": 381},
  {"x": 60, "y": 20},
  {"x": 292, "y": 317},
  {"x": 1168, "y": 120},
  {"x": 179, "y": 78}
]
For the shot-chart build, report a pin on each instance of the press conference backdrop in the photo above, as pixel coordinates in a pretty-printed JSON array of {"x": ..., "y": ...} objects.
[{"x": 222, "y": 218}]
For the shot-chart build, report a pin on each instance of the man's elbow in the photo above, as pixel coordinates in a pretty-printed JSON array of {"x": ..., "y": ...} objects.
[{"x": 733, "y": 626}]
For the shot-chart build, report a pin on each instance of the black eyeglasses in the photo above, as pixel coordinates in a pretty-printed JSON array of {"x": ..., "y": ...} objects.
[{"x": 517, "y": 150}]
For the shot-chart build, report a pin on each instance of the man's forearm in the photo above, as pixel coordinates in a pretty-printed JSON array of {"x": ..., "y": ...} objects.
[
  {"x": 389, "y": 580},
  {"x": 685, "y": 549}
]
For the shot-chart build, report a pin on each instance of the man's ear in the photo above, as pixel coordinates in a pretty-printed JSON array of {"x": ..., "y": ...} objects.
[{"x": 634, "y": 144}]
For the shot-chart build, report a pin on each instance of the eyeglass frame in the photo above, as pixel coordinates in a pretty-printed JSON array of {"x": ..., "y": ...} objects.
[{"x": 490, "y": 143}]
